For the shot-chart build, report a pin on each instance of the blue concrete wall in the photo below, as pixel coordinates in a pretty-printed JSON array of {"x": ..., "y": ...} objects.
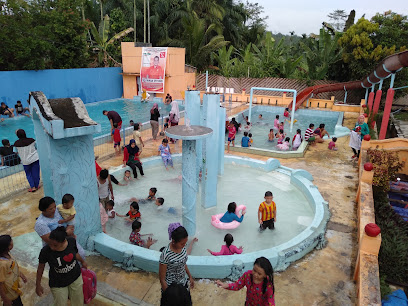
[{"x": 90, "y": 84}]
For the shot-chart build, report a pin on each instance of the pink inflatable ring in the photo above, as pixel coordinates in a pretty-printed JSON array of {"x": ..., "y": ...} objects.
[{"x": 215, "y": 219}]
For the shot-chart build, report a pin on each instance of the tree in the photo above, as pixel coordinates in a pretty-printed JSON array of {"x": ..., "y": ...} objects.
[
  {"x": 337, "y": 19},
  {"x": 360, "y": 53},
  {"x": 392, "y": 30},
  {"x": 320, "y": 54},
  {"x": 350, "y": 20},
  {"x": 103, "y": 42}
]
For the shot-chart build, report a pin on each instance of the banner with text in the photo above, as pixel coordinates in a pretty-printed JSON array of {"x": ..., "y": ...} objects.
[{"x": 153, "y": 69}]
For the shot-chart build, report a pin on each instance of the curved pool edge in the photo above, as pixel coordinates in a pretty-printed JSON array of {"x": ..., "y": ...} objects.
[{"x": 281, "y": 256}]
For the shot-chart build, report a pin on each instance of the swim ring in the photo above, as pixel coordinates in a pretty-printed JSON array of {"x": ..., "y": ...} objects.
[{"x": 215, "y": 219}]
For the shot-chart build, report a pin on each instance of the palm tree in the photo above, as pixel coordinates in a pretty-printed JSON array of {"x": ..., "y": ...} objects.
[
  {"x": 102, "y": 41},
  {"x": 320, "y": 53}
]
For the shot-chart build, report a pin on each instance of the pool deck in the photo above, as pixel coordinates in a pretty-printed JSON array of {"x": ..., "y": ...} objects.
[{"x": 323, "y": 277}]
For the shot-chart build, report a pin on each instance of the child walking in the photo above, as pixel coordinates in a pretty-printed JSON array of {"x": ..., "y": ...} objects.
[
  {"x": 67, "y": 210},
  {"x": 138, "y": 137},
  {"x": 267, "y": 213},
  {"x": 164, "y": 151},
  {"x": 136, "y": 239},
  {"x": 231, "y": 135},
  {"x": 116, "y": 138},
  {"x": 259, "y": 283},
  {"x": 110, "y": 211},
  {"x": 276, "y": 123},
  {"x": 228, "y": 248},
  {"x": 9, "y": 274}
]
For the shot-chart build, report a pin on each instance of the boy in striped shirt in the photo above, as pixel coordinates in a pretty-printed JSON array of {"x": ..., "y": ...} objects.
[
  {"x": 309, "y": 134},
  {"x": 267, "y": 213}
]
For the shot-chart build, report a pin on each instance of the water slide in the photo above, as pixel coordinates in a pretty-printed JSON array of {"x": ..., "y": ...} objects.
[{"x": 384, "y": 69}]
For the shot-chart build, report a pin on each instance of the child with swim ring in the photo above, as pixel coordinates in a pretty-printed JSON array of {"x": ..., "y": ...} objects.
[{"x": 230, "y": 215}]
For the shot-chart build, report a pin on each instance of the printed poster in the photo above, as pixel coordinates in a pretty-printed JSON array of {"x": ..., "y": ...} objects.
[{"x": 153, "y": 69}]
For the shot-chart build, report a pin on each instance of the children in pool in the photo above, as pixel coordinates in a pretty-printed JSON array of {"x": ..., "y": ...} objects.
[{"x": 230, "y": 215}]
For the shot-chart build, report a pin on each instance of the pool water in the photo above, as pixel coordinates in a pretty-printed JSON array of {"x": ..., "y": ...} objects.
[
  {"x": 241, "y": 184},
  {"x": 127, "y": 109},
  {"x": 260, "y": 127}
]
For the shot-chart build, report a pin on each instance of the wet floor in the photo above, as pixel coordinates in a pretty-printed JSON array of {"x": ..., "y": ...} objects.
[{"x": 323, "y": 277}]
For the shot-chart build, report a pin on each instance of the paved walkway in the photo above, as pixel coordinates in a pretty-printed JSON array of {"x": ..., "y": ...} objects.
[{"x": 323, "y": 277}]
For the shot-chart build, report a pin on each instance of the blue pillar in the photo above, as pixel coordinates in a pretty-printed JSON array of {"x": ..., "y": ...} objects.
[
  {"x": 193, "y": 113},
  {"x": 189, "y": 186},
  {"x": 221, "y": 141},
  {"x": 211, "y": 105},
  {"x": 68, "y": 162}
]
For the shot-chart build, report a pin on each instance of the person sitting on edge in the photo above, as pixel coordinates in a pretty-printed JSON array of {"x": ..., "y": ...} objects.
[
  {"x": 245, "y": 140},
  {"x": 227, "y": 248},
  {"x": 21, "y": 110},
  {"x": 230, "y": 215},
  {"x": 133, "y": 213},
  {"x": 8, "y": 156},
  {"x": 309, "y": 135},
  {"x": 6, "y": 111},
  {"x": 136, "y": 239},
  {"x": 267, "y": 213}
]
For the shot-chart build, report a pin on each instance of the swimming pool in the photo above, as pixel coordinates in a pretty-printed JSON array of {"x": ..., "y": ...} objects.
[
  {"x": 128, "y": 110},
  {"x": 260, "y": 127}
]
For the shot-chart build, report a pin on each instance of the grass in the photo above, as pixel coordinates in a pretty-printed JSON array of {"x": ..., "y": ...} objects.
[{"x": 403, "y": 116}]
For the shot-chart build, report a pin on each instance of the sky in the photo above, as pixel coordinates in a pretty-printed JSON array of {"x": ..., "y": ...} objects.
[{"x": 307, "y": 16}]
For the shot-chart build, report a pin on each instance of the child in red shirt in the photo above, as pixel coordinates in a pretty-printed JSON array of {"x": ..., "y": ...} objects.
[
  {"x": 133, "y": 213},
  {"x": 332, "y": 144},
  {"x": 231, "y": 135},
  {"x": 259, "y": 283},
  {"x": 116, "y": 138}
]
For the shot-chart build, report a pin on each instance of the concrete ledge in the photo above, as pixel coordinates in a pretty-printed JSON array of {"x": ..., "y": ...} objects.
[{"x": 131, "y": 256}]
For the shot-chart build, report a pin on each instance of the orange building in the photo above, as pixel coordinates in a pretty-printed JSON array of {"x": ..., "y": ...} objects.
[{"x": 178, "y": 76}]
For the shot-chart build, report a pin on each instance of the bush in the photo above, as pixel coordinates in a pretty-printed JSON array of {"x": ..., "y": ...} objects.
[
  {"x": 386, "y": 166},
  {"x": 393, "y": 256}
]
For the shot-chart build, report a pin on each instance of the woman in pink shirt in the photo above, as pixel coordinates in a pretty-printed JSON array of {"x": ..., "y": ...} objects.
[{"x": 228, "y": 248}]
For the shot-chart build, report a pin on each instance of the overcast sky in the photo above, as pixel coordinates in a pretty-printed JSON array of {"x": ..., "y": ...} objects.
[{"x": 307, "y": 16}]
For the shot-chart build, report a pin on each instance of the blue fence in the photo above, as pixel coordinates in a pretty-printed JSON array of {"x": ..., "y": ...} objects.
[{"x": 90, "y": 84}]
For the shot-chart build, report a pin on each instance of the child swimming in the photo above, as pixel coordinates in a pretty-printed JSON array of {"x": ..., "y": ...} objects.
[
  {"x": 152, "y": 194},
  {"x": 127, "y": 177},
  {"x": 280, "y": 136},
  {"x": 271, "y": 135},
  {"x": 259, "y": 283},
  {"x": 230, "y": 215},
  {"x": 227, "y": 248},
  {"x": 133, "y": 213},
  {"x": 136, "y": 239}
]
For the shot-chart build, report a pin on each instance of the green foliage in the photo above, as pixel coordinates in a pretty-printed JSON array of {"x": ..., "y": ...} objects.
[
  {"x": 103, "y": 42},
  {"x": 384, "y": 287},
  {"x": 393, "y": 256},
  {"x": 386, "y": 166},
  {"x": 42, "y": 35},
  {"x": 320, "y": 54}
]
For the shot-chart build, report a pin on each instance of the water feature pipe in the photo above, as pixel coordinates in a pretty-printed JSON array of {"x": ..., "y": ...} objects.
[
  {"x": 345, "y": 95},
  {"x": 274, "y": 89},
  {"x": 206, "y": 81},
  {"x": 387, "y": 109}
]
